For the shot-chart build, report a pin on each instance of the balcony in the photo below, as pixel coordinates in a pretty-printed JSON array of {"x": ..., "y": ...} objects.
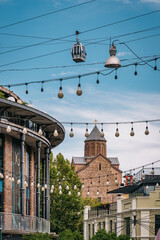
[{"x": 23, "y": 224}]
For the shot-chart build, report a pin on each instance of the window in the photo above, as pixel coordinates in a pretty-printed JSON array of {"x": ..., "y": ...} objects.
[
  {"x": 100, "y": 166},
  {"x": 157, "y": 223},
  {"x": 111, "y": 226},
  {"x": 1, "y": 170},
  {"x": 103, "y": 225},
  {"x": 92, "y": 229},
  {"x": 99, "y": 225},
  {"x": 128, "y": 226}
]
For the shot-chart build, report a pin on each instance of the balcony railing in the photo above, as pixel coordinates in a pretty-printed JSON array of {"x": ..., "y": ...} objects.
[
  {"x": 102, "y": 211},
  {"x": 17, "y": 222}
]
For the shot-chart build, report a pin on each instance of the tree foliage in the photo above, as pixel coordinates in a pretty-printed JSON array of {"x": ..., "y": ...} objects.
[
  {"x": 103, "y": 235},
  {"x": 69, "y": 235},
  {"x": 37, "y": 236},
  {"x": 65, "y": 210}
]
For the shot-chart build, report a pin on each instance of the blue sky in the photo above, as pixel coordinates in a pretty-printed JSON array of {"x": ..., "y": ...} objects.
[{"x": 128, "y": 98}]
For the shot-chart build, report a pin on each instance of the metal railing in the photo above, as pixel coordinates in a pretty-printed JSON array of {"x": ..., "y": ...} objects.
[
  {"x": 102, "y": 211},
  {"x": 17, "y": 222}
]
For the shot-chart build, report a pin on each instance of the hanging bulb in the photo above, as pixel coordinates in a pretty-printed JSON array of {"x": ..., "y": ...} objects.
[
  {"x": 134, "y": 177},
  {"x": 8, "y": 129},
  {"x": 71, "y": 132},
  {"x": 97, "y": 78},
  {"x": 86, "y": 133},
  {"x": 40, "y": 133},
  {"x": 75, "y": 187},
  {"x": 157, "y": 185},
  {"x": 42, "y": 189},
  {"x": 155, "y": 67},
  {"x": 42, "y": 89},
  {"x": 69, "y": 193},
  {"x": 135, "y": 73},
  {"x": 18, "y": 181},
  {"x": 38, "y": 185},
  {"x": 102, "y": 133},
  {"x": 67, "y": 188},
  {"x": 79, "y": 194},
  {"x": 26, "y": 184},
  {"x": 116, "y": 181},
  {"x": 79, "y": 90},
  {"x": 152, "y": 172},
  {"x": 26, "y": 88},
  {"x": 32, "y": 184},
  {"x": 55, "y": 133},
  {"x": 97, "y": 192},
  {"x": 60, "y": 187},
  {"x": 82, "y": 185},
  {"x": 6, "y": 176},
  {"x": 116, "y": 77},
  {"x": 45, "y": 186},
  {"x": 52, "y": 187},
  {"x": 88, "y": 193},
  {"x": 51, "y": 190},
  {"x": 107, "y": 183},
  {"x": 132, "y": 131},
  {"x": 143, "y": 174},
  {"x": 12, "y": 179},
  {"x": 60, "y": 192},
  {"x": 147, "y": 187},
  {"x": 146, "y": 131},
  {"x": 117, "y": 131},
  {"x": 24, "y": 131},
  {"x": 60, "y": 94}
]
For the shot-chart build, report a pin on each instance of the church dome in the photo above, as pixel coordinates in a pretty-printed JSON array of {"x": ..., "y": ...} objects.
[{"x": 95, "y": 135}]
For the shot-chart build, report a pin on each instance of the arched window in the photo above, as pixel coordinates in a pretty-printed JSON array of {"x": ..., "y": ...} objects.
[
  {"x": 92, "y": 149},
  {"x": 98, "y": 149}
]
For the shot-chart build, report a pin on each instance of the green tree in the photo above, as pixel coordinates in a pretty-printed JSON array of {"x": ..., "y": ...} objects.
[
  {"x": 65, "y": 210},
  {"x": 69, "y": 235},
  {"x": 103, "y": 235},
  {"x": 37, "y": 236},
  {"x": 124, "y": 237}
]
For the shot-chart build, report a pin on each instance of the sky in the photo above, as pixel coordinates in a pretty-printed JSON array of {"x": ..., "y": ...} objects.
[{"x": 129, "y": 98}]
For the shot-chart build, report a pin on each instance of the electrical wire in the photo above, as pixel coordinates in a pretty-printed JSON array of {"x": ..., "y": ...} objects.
[{"x": 45, "y": 14}]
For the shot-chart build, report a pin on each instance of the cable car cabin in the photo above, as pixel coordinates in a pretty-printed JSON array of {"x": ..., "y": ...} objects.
[{"x": 78, "y": 52}]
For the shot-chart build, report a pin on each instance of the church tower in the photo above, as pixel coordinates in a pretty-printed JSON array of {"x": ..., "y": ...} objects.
[{"x": 95, "y": 145}]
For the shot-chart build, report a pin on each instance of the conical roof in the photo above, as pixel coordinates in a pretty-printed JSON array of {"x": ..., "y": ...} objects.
[{"x": 95, "y": 135}]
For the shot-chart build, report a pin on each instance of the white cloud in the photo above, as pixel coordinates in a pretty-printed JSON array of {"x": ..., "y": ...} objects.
[
  {"x": 61, "y": 74},
  {"x": 150, "y": 1},
  {"x": 123, "y": 54}
]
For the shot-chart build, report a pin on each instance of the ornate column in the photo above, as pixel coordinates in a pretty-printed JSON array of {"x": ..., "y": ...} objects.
[
  {"x": 22, "y": 138},
  {"x": 38, "y": 179},
  {"x": 85, "y": 218},
  {"x": 47, "y": 182},
  {"x": 43, "y": 193}
]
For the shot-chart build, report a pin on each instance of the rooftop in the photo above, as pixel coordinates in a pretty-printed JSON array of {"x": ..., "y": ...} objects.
[{"x": 95, "y": 135}]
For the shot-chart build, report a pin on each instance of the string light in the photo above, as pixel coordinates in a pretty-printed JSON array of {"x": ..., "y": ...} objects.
[
  {"x": 117, "y": 131},
  {"x": 42, "y": 89},
  {"x": 55, "y": 133},
  {"x": 60, "y": 187},
  {"x": 32, "y": 184},
  {"x": 82, "y": 185},
  {"x": 143, "y": 174},
  {"x": 60, "y": 94},
  {"x": 67, "y": 188},
  {"x": 75, "y": 187},
  {"x": 146, "y": 131},
  {"x": 45, "y": 186},
  {"x": 18, "y": 181},
  {"x": 102, "y": 133},
  {"x": 97, "y": 192},
  {"x": 42, "y": 189},
  {"x": 116, "y": 77},
  {"x": 79, "y": 90},
  {"x": 132, "y": 130},
  {"x": 8, "y": 129},
  {"x": 71, "y": 132},
  {"x": 135, "y": 73},
  {"x": 88, "y": 192},
  {"x": 51, "y": 190},
  {"x": 107, "y": 183},
  {"x": 52, "y": 187},
  {"x": 60, "y": 192},
  {"x": 69, "y": 193},
  {"x": 26, "y": 88},
  {"x": 86, "y": 133},
  {"x": 79, "y": 194},
  {"x": 38, "y": 185},
  {"x": 40, "y": 133},
  {"x": 24, "y": 131},
  {"x": 152, "y": 172},
  {"x": 155, "y": 67},
  {"x": 97, "y": 78}
]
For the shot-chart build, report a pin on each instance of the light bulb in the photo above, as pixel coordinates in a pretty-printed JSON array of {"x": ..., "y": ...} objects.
[
  {"x": 60, "y": 187},
  {"x": 60, "y": 192},
  {"x": 132, "y": 132},
  {"x": 42, "y": 189},
  {"x": 75, "y": 187},
  {"x": 51, "y": 190},
  {"x": 67, "y": 188},
  {"x": 86, "y": 133},
  {"x": 40, "y": 133},
  {"x": 82, "y": 185},
  {"x": 55, "y": 133},
  {"x": 18, "y": 181},
  {"x": 107, "y": 183},
  {"x": 134, "y": 177},
  {"x": 52, "y": 187},
  {"x": 88, "y": 193},
  {"x": 79, "y": 194},
  {"x": 102, "y": 133},
  {"x": 147, "y": 187},
  {"x": 146, "y": 131},
  {"x": 143, "y": 175},
  {"x": 79, "y": 90},
  {"x": 38, "y": 185},
  {"x": 24, "y": 130},
  {"x": 32, "y": 184},
  {"x": 6, "y": 176},
  {"x": 97, "y": 192},
  {"x": 71, "y": 133},
  {"x": 45, "y": 186},
  {"x": 8, "y": 129},
  {"x": 69, "y": 193},
  {"x": 12, "y": 179},
  {"x": 152, "y": 172},
  {"x": 60, "y": 94},
  {"x": 117, "y": 133}
]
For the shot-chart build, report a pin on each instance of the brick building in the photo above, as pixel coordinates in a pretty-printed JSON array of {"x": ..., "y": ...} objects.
[
  {"x": 98, "y": 173},
  {"x": 26, "y": 137}
]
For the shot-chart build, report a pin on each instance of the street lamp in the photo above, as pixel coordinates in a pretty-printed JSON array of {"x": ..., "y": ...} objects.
[{"x": 112, "y": 61}]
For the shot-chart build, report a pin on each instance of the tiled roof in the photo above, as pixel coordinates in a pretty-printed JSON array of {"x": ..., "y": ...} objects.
[
  {"x": 95, "y": 135},
  {"x": 113, "y": 160},
  {"x": 78, "y": 160}
]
